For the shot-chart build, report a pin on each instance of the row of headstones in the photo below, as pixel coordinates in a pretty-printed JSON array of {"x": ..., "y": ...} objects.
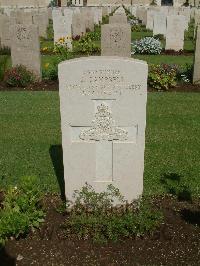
[
  {"x": 116, "y": 36},
  {"x": 168, "y": 21},
  {"x": 115, "y": 41},
  {"x": 72, "y": 22},
  {"x": 153, "y": 16}
]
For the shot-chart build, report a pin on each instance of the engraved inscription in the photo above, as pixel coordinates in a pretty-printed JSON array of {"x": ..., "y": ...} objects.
[
  {"x": 117, "y": 38},
  {"x": 103, "y": 82},
  {"x": 103, "y": 127},
  {"x": 23, "y": 34}
]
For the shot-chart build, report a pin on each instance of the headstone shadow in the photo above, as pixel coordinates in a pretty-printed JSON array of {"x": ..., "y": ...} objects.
[
  {"x": 191, "y": 216},
  {"x": 6, "y": 259},
  {"x": 174, "y": 185},
  {"x": 56, "y": 154}
]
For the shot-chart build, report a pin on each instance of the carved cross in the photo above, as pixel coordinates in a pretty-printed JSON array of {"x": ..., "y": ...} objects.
[{"x": 104, "y": 133}]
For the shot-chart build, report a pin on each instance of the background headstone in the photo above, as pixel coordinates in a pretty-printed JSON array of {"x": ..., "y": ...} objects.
[
  {"x": 196, "y": 74},
  {"x": 118, "y": 18},
  {"x": 62, "y": 27},
  {"x": 25, "y": 47},
  {"x": 175, "y": 33},
  {"x": 116, "y": 40},
  {"x": 78, "y": 25},
  {"x": 159, "y": 24}
]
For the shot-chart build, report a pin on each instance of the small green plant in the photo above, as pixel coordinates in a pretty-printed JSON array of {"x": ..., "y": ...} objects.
[
  {"x": 19, "y": 76},
  {"x": 21, "y": 210},
  {"x": 162, "y": 77},
  {"x": 86, "y": 45},
  {"x": 93, "y": 216},
  {"x": 3, "y": 66}
]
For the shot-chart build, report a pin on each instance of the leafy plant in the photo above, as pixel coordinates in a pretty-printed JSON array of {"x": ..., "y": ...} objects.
[
  {"x": 93, "y": 216},
  {"x": 86, "y": 45},
  {"x": 162, "y": 77},
  {"x": 147, "y": 45},
  {"x": 21, "y": 210},
  {"x": 19, "y": 76},
  {"x": 94, "y": 35},
  {"x": 3, "y": 65}
]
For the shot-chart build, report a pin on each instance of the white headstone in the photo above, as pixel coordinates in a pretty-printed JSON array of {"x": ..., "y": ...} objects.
[
  {"x": 62, "y": 27},
  {"x": 159, "y": 24},
  {"x": 103, "y": 118},
  {"x": 196, "y": 74},
  {"x": 25, "y": 47},
  {"x": 5, "y": 37},
  {"x": 78, "y": 25},
  {"x": 116, "y": 40},
  {"x": 175, "y": 33},
  {"x": 118, "y": 18}
]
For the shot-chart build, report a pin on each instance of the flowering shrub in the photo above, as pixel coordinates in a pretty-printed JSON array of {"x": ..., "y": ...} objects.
[
  {"x": 147, "y": 45},
  {"x": 64, "y": 42},
  {"x": 19, "y": 76},
  {"x": 162, "y": 77},
  {"x": 50, "y": 70},
  {"x": 62, "y": 47}
]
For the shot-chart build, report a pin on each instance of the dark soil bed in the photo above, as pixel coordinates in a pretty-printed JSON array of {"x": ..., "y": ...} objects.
[
  {"x": 53, "y": 86},
  {"x": 176, "y": 242},
  {"x": 40, "y": 86}
]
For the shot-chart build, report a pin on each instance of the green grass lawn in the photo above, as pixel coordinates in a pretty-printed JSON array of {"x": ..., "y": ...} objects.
[
  {"x": 30, "y": 128},
  {"x": 166, "y": 59}
]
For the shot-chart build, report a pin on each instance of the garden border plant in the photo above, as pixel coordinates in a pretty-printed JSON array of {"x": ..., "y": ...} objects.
[
  {"x": 93, "y": 216},
  {"x": 21, "y": 210}
]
